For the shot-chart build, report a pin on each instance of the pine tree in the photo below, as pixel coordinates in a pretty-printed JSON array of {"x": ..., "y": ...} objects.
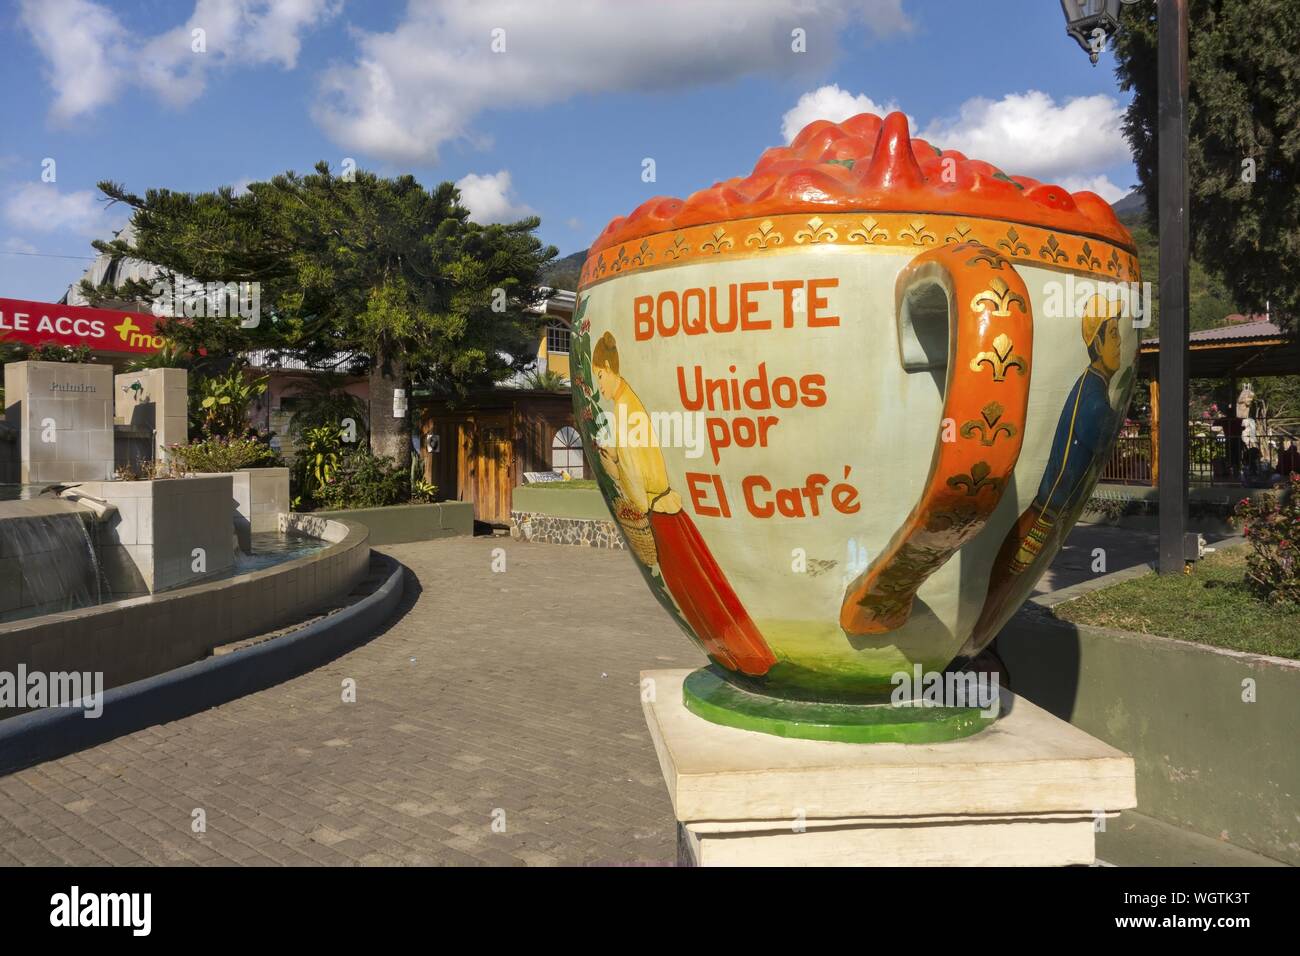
[
  {"x": 1244, "y": 140},
  {"x": 375, "y": 273}
]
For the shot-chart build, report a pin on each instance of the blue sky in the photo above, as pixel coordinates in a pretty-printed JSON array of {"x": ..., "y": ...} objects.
[{"x": 544, "y": 107}]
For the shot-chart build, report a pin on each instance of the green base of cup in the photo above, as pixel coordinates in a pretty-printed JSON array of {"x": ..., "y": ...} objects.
[{"x": 707, "y": 695}]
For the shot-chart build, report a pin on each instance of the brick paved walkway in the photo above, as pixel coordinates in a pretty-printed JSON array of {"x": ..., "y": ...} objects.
[{"x": 467, "y": 704}]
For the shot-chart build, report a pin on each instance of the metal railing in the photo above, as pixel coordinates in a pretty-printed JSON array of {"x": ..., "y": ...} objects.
[
  {"x": 1213, "y": 458},
  {"x": 1130, "y": 462}
]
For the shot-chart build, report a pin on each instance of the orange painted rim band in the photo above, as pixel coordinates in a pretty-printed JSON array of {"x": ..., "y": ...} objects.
[{"x": 862, "y": 229}]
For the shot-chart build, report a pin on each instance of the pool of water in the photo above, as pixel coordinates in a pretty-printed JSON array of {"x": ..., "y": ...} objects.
[
  {"x": 271, "y": 548},
  {"x": 19, "y": 492}
]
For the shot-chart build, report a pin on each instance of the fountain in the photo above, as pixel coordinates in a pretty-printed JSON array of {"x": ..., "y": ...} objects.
[
  {"x": 129, "y": 578},
  {"x": 48, "y": 559}
]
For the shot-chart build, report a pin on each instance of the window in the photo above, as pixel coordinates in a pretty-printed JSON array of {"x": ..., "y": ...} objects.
[
  {"x": 566, "y": 452},
  {"x": 557, "y": 339}
]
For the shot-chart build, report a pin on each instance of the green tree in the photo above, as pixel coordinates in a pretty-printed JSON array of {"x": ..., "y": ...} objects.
[
  {"x": 323, "y": 400},
  {"x": 377, "y": 272},
  {"x": 54, "y": 352},
  {"x": 1208, "y": 303},
  {"x": 1244, "y": 122},
  {"x": 1278, "y": 397},
  {"x": 169, "y": 356}
]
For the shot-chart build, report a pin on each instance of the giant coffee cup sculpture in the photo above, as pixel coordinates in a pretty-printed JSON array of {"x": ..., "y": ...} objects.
[{"x": 846, "y": 409}]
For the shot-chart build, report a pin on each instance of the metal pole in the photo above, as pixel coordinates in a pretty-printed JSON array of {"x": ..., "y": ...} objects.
[{"x": 1171, "y": 68}]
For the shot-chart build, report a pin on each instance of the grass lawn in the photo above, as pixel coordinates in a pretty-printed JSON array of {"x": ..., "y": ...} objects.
[
  {"x": 1209, "y": 606},
  {"x": 570, "y": 485}
]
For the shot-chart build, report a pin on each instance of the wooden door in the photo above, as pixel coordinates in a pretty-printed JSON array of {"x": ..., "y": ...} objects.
[
  {"x": 485, "y": 466},
  {"x": 492, "y": 497}
]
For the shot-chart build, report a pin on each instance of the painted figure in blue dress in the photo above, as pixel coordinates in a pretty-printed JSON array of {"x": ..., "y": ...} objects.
[{"x": 1084, "y": 435}]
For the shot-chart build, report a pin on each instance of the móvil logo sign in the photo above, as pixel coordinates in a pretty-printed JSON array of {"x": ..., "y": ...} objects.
[{"x": 45, "y": 323}]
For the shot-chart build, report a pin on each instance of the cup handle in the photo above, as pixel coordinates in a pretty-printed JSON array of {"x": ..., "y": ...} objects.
[{"x": 974, "y": 294}]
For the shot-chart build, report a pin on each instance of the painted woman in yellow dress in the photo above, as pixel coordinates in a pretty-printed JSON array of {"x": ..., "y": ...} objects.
[{"x": 699, "y": 588}]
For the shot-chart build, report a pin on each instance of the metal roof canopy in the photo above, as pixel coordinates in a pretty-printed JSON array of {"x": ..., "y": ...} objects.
[{"x": 1232, "y": 351}]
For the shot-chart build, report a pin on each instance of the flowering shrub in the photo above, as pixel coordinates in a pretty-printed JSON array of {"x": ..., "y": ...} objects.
[
  {"x": 222, "y": 454},
  {"x": 1271, "y": 524},
  {"x": 145, "y": 471}
]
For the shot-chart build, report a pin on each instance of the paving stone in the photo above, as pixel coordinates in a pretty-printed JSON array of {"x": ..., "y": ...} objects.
[
  {"x": 515, "y": 691},
  {"x": 503, "y": 707}
]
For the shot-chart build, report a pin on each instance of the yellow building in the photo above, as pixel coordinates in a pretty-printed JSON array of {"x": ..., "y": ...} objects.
[{"x": 553, "y": 340}]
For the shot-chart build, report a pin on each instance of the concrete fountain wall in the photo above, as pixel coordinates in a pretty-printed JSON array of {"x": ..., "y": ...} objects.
[
  {"x": 141, "y": 637},
  {"x": 64, "y": 416},
  {"x": 129, "y": 537},
  {"x": 261, "y": 499},
  {"x": 164, "y": 533},
  {"x": 67, "y": 421},
  {"x": 75, "y": 424},
  {"x": 163, "y": 549}
]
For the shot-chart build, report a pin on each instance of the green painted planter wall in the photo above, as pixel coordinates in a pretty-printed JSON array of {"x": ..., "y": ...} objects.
[
  {"x": 1206, "y": 760},
  {"x": 560, "y": 502},
  {"x": 400, "y": 524}
]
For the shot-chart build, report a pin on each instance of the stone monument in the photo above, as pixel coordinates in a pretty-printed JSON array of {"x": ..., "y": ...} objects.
[
  {"x": 64, "y": 416},
  {"x": 154, "y": 400}
]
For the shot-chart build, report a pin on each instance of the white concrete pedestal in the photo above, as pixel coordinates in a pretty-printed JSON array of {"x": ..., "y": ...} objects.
[{"x": 1029, "y": 791}]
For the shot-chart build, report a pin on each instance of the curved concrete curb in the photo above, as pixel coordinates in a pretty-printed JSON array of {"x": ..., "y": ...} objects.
[{"x": 55, "y": 732}]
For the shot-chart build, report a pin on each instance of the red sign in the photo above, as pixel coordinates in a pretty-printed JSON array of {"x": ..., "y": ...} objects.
[{"x": 44, "y": 323}]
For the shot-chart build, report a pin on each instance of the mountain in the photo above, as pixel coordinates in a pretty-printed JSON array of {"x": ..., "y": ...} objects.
[
  {"x": 1131, "y": 206},
  {"x": 563, "y": 273}
]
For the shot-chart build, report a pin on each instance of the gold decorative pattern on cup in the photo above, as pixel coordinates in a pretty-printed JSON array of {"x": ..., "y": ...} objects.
[{"x": 1001, "y": 359}]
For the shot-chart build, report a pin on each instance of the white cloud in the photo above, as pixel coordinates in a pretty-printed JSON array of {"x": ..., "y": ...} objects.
[
  {"x": 14, "y": 244},
  {"x": 91, "y": 56},
  {"x": 84, "y": 45},
  {"x": 487, "y": 197},
  {"x": 1029, "y": 134},
  {"x": 574, "y": 223},
  {"x": 41, "y": 207},
  {"x": 1101, "y": 185},
  {"x": 410, "y": 90},
  {"x": 829, "y": 103},
  {"x": 1024, "y": 134}
]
